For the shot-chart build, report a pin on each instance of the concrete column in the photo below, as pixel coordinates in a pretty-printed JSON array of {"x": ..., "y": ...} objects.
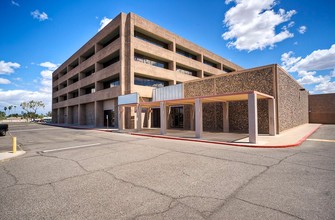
[
  {"x": 226, "y": 117},
  {"x": 149, "y": 115},
  {"x": 82, "y": 114},
  {"x": 163, "y": 117},
  {"x": 252, "y": 117},
  {"x": 272, "y": 117},
  {"x": 121, "y": 122},
  {"x": 192, "y": 118},
  {"x": 198, "y": 118},
  {"x": 99, "y": 114},
  {"x": 201, "y": 74},
  {"x": 139, "y": 118},
  {"x": 69, "y": 115}
]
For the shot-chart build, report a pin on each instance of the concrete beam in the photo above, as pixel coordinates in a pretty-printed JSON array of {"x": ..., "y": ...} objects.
[
  {"x": 163, "y": 117},
  {"x": 198, "y": 118},
  {"x": 272, "y": 117},
  {"x": 252, "y": 117}
]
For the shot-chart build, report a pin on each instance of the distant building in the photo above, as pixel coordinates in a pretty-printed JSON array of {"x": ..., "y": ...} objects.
[{"x": 134, "y": 56}]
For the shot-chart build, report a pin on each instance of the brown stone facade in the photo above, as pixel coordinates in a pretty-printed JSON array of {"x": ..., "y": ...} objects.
[
  {"x": 292, "y": 102},
  {"x": 291, "y": 98},
  {"x": 322, "y": 108}
]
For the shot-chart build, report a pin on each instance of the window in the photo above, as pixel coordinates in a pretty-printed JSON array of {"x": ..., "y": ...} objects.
[
  {"x": 150, "y": 40},
  {"x": 210, "y": 63},
  {"x": 73, "y": 94},
  {"x": 89, "y": 53},
  {"x": 90, "y": 90},
  {"x": 186, "y": 71},
  {"x": 152, "y": 61},
  {"x": 73, "y": 79},
  {"x": 227, "y": 69},
  {"x": 143, "y": 81},
  {"x": 207, "y": 74},
  {"x": 186, "y": 54},
  {"x": 111, "y": 83},
  {"x": 89, "y": 71},
  {"x": 110, "y": 38}
]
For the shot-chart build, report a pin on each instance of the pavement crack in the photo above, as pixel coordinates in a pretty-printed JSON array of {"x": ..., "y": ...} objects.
[
  {"x": 12, "y": 176},
  {"x": 60, "y": 158},
  {"x": 171, "y": 205},
  {"x": 286, "y": 213},
  {"x": 137, "y": 185},
  {"x": 137, "y": 161},
  {"x": 217, "y": 158}
]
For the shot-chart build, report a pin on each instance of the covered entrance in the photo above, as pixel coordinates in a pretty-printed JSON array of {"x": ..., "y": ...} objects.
[
  {"x": 109, "y": 118},
  {"x": 177, "y": 117},
  {"x": 197, "y": 102}
]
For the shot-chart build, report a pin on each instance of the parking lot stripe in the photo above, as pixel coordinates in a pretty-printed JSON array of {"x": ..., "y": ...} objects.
[
  {"x": 321, "y": 140},
  {"x": 70, "y": 148}
]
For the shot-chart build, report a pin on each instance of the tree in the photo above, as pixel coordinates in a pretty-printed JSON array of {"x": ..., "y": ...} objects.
[
  {"x": 31, "y": 107},
  {"x": 49, "y": 114},
  {"x": 2, "y": 115},
  {"x": 5, "y": 108},
  {"x": 10, "y": 108}
]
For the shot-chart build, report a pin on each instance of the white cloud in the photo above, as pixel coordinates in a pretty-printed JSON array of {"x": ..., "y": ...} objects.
[
  {"x": 332, "y": 73},
  {"x": 39, "y": 16},
  {"x": 325, "y": 87},
  {"x": 252, "y": 23},
  {"x": 104, "y": 22},
  {"x": 15, "y": 3},
  {"x": 4, "y": 81},
  {"x": 317, "y": 60},
  {"x": 288, "y": 61},
  {"x": 8, "y": 68},
  {"x": 49, "y": 65},
  {"x": 308, "y": 66},
  {"x": 46, "y": 80},
  {"x": 302, "y": 29},
  {"x": 309, "y": 78},
  {"x": 15, "y": 97}
]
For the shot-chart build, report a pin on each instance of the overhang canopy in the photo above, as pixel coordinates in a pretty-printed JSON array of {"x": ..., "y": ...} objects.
[{"x": 227, "y": 97}]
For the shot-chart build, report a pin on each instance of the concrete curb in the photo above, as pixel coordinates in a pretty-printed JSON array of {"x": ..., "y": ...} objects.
[
  {"x": 299, "y": 142},
  {"x": 8, "y": 155}
]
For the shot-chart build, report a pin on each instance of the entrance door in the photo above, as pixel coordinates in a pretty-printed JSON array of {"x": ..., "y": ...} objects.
[
  {"x": 109, "y": 116},
  {"x": 156, "y": 118},
  {"x": 177, "y": 117}
]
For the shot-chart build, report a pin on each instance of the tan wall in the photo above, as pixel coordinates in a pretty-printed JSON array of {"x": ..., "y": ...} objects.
[
  {"x": 259, "y": 79},
  {"x": 292, "y": 102},
  {"x": 322, "y": 108}
]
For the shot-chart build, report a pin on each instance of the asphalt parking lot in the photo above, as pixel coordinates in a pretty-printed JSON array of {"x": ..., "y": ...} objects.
[{"x": 85, "y": 174}]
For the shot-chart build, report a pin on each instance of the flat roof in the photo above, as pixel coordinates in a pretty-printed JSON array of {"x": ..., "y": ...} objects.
[{"x": 226, "y": 97}]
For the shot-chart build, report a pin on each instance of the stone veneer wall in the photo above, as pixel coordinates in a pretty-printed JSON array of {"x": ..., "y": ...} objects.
[
  {"x": 259, "y": 79},
  {"x": 322, "y": 108},
  {"x": 292, "y": 102}
]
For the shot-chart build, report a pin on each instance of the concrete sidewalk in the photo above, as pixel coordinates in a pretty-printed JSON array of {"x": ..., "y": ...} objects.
[{"x": 289, "y": 138}]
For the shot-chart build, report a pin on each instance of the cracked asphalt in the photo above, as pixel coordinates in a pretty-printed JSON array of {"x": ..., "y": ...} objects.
[{"x": 119, "y": 176}]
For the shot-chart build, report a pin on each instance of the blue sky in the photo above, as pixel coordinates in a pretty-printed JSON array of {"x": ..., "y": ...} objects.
[{"x": 38, "y": 35}]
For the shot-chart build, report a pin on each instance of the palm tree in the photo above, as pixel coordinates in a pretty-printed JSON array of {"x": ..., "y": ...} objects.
[
  {"x": 10, "y": 108},
  {"x": 5, "y": 108}
]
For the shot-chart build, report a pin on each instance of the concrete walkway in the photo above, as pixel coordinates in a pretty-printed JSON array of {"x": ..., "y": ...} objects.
[{"x": 289, "y": 138}]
